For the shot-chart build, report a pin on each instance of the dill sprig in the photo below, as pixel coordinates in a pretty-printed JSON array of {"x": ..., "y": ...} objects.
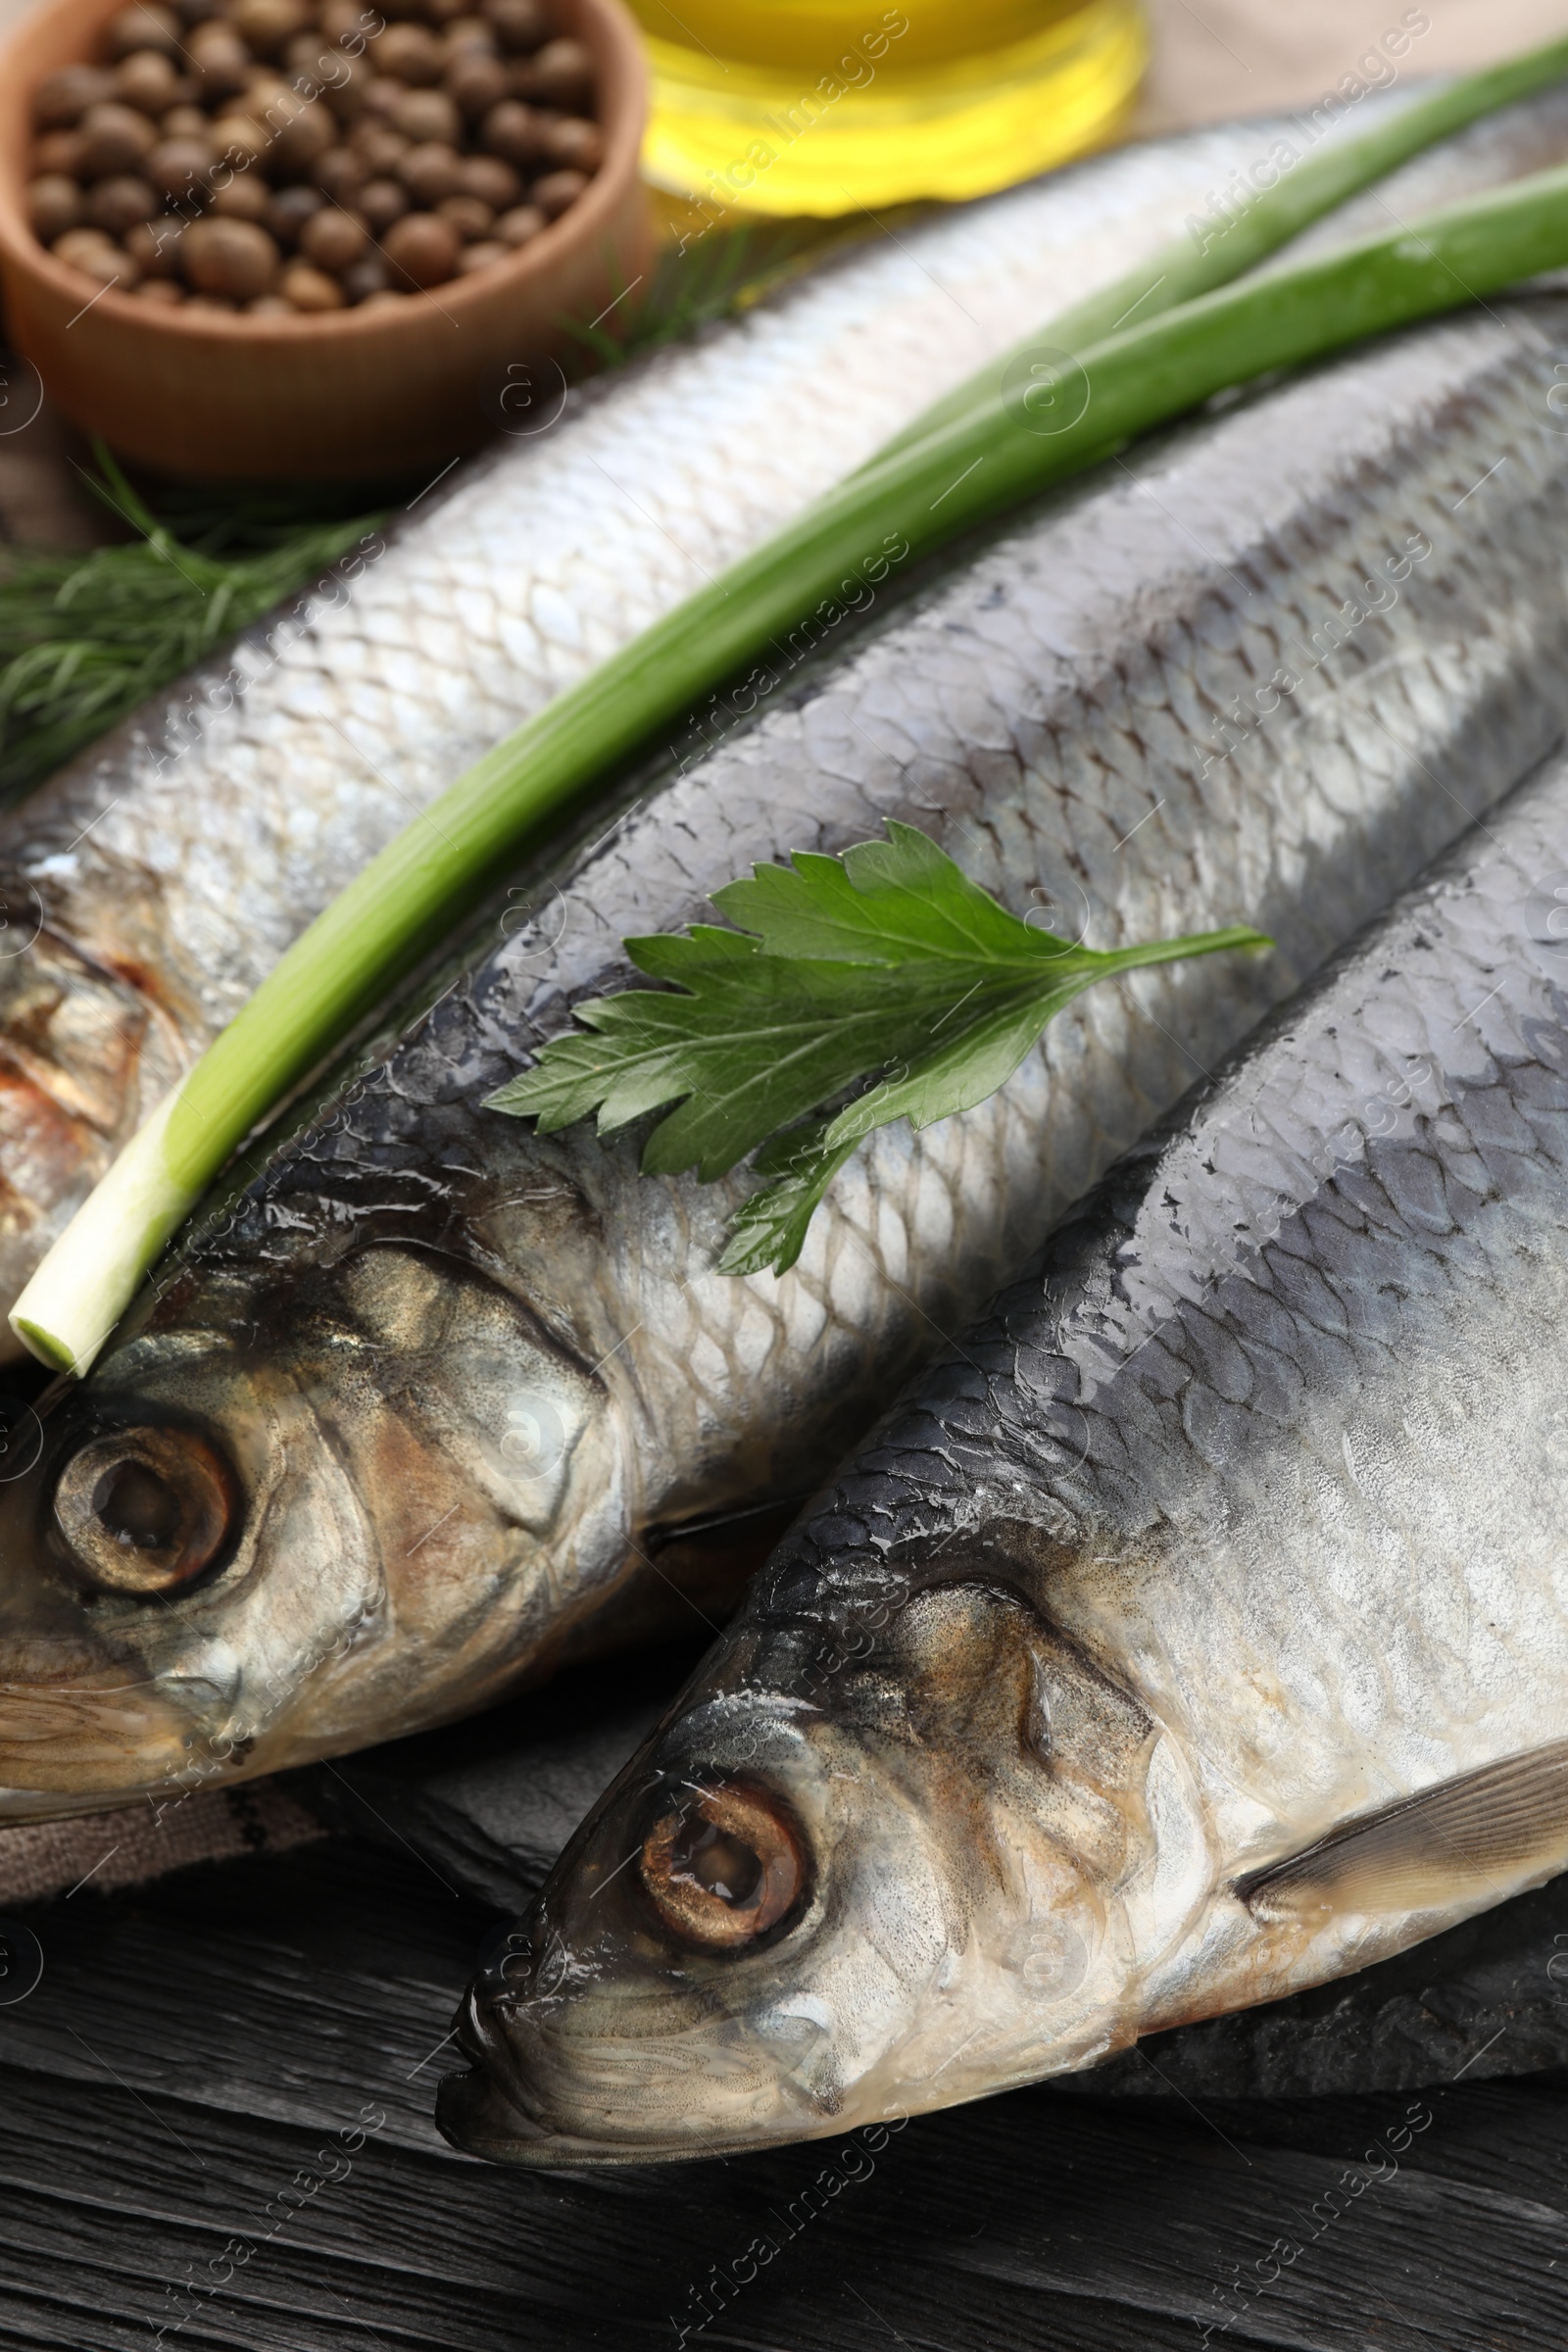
[{"x": 85, "y": 637}]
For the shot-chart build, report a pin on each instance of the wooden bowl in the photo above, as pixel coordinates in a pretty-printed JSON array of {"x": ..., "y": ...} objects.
[{"x": 349, "y": 394}]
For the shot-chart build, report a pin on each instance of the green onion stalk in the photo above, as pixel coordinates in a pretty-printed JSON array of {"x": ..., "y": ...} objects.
[
  {"x": 1216, "y": 250},
  {"x": 1005, "y": 448}
]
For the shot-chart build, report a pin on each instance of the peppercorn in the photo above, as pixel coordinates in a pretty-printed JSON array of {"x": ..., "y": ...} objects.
[
  {"x": 63, "y": 98},
  {"x": 514, "y": 132},
  {"x": 430, "y": 173},
  {"x": 310, "y": 289},
  {"x": 521, "y": 225},
  {"x": 53, "y": 204},
  {"x": 422, "y": 248},
  {"x": 557, "y": 190},
  {"x": 333, "y": 238},
  {"x": 118, "y": 139},
  {"x": 116, "y": 205},
  {"x": 232, "y": 257}
]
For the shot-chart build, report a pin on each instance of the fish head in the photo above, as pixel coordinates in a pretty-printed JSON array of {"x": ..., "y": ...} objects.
[
  {"x": 852, "y": 1877},
  {"x": 288, "y": 1516}
]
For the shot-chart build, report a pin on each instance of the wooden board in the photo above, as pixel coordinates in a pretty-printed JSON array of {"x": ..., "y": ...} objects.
[{"x": 193, "y": 2047}]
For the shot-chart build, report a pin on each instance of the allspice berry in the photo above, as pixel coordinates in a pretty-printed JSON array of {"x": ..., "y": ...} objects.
[
  {"x": 290, "y": 209},
  {"x": 576, "y": 144},
  {"x": 97, "y": 257},
  {"x": 63, "y": 98},
  {"x": 494, "y": 182},
  {"x": 521, "y": 225},
  {"x": 301, "y": 144},
  {"x": 145, "y": 26},
  {"x": 116, "y": 205},
  {"x": 266, "y": 26},
  {"x": 520, "y": 26},
  {"x": 147, "y": 78},
  {"x": 382, "y": 201},
  {"x": 161, "y": 292},
  {"x": 244, "y": 197},
  {"x": 367, "y": 277},
  {"x": 333, "y": 238},
  {"x": 340, "y": 174},
  {"x": 424, "y": 115},
  {"x": 60, "y": 151},
  {"x": 557, "y": 190},
  {"x": 184, "y": 123},
  {"x": 475, "y": 84},
  {"x": 118, "y": 139},
  {"x": 181, "y": 167},
  {"x": 561, "y": 74},
  {"x": 309, "y": 290},
  {"x": 411, "y": 54},
  {"x": 481, "y": 255},
  {"x": 467, "y": 216},
  {"x": 154, "y": 247},
  {"x": 514, "y": 132},
  {"x": 422, "y": 248},
  {"x": 221, "y": 60},
  {"x": 430, "y": 173},
  {"x": 232, "y": 257},
  {"x": 53, "y": 204}
]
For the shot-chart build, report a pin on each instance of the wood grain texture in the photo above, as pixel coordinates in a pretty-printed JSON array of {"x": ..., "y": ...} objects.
[{"x": 193, "y": 2046}]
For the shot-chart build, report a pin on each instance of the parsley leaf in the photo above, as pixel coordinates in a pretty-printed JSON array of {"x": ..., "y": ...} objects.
[{"x": 887, "y": 963}]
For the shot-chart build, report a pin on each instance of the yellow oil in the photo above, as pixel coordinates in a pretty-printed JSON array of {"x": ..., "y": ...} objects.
[{"x": 826, "y": 106}]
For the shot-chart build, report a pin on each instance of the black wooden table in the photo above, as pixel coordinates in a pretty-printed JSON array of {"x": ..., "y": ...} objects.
[{"x": 197, "y": 2054}]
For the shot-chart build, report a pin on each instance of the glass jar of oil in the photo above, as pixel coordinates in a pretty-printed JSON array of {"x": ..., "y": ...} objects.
[{"x": 825, "y": 106}]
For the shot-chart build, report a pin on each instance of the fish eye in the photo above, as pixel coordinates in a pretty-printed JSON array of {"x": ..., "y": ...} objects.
[
  {"x": 723, "y": 1867},
  {"x": 146, "y": 1510}
]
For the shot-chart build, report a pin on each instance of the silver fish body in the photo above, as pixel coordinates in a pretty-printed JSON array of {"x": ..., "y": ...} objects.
[
  {"x": 427, "y": 1404},
  {"x": 1194, "y": 1630},
  {"x": 150, "y": 888}
]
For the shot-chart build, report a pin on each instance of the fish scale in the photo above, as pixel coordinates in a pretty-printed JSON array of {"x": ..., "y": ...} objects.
[
  {"x": 471, "y": 1379},
  {"x": 172, "y": 864},
  {"x": 1269, "y": 1440}
]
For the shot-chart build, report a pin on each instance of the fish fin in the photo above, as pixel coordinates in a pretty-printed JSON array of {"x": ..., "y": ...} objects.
[{"x": 1494, "y": 1830}]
